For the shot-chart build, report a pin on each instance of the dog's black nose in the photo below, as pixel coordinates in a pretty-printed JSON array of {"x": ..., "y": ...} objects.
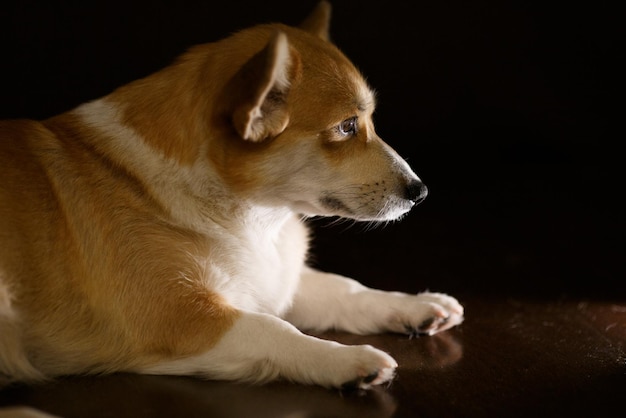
[{"x": 416, "y": 191}]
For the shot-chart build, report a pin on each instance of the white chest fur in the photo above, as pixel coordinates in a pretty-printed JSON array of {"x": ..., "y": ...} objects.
[
  {"x": 256, "y": 253},
  {"x": 260, "y": 263}
]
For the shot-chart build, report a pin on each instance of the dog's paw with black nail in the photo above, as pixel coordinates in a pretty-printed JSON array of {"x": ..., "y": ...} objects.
[
  {"x": 361, "y": 367},
  {"x": 426, "y": 314}
]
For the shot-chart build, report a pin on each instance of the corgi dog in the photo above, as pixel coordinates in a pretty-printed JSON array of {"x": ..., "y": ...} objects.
[{"x": 161, "y": 229}]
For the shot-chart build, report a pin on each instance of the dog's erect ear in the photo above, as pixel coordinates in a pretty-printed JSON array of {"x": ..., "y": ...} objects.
[
  {"x": 260, "y": 110},
  {"x": 318, "y": 22}
]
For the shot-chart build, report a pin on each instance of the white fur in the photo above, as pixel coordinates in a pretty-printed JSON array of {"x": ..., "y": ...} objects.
[
  {"x": 262, "y": 347},
  {"x": 329, "y": 301}
]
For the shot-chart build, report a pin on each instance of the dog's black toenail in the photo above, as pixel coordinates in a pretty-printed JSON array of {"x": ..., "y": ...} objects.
[
  {"x": 370, "y": 377},
  {"x": 354, "y": 385},
  {"x": 412, "y": 332},
  {"x": 426, "y": 324}
]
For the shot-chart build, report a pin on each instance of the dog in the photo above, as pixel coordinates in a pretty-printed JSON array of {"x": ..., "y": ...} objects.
[{"x": 161, "y": 229}]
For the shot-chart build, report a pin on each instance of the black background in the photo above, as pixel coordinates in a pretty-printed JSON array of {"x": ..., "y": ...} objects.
[{"x": 507, "y": 110}]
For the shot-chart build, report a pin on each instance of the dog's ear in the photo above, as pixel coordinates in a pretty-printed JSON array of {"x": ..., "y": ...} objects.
[
  {"x": 263, "y": 82},
  {"x": 318, "y": 22}
]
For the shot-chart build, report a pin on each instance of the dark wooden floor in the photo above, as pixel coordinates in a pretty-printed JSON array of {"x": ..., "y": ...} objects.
[
  {"x": 542, "y": 280},
  {"x": 512, "y": 357}
]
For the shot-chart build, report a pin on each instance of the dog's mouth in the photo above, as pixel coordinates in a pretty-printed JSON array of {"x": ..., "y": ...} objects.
[
  {"x": 366, "y": 208},
  {"x": 336, "y": 205},
  {"x": 377, "y": 201}
]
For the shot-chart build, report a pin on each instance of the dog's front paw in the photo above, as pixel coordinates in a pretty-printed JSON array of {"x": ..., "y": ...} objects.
[
  {"x": 361, "y": 367},
  {"x": 428, "y": 313}
]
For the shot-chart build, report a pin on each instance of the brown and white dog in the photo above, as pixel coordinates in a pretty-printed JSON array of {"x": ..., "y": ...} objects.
[{"x": 160, "y": 229}]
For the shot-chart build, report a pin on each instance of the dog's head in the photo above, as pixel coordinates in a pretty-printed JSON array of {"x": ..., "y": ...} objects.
[{"x": 296, "y": 128}]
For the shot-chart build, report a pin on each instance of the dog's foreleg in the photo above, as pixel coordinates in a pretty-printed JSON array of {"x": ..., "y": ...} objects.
[
  {"x": 261, "y": 347},
  {"x": 326, "y": 301}
]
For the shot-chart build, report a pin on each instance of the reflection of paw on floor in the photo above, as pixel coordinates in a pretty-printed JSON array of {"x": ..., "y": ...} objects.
[{"x": 440, "y": 350}]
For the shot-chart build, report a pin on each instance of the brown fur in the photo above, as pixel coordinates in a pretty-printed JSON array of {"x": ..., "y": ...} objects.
[{"x": 68, "y": 304}]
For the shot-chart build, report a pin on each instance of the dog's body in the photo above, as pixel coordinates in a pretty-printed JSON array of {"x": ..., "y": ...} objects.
[{"x": 158, "y": 229}]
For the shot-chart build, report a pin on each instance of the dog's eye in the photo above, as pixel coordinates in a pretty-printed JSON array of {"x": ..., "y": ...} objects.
[{"x": 348, "y": 126}]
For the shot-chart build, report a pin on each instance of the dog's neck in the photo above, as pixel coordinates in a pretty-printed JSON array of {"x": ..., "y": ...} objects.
[
  {"x": 193, "y": 194},
  {"x": 168, "y": 109}
]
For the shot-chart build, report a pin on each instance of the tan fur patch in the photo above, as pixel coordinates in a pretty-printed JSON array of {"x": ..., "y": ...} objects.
[{"x": 72, "y": 275}]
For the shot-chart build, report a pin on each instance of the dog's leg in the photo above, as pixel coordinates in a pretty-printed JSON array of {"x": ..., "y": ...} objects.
[
  {"x": 329, "y": 301},
  {"x": 261, "y": 347}
]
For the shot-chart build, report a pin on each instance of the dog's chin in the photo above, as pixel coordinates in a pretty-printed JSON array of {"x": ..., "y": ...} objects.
[
  {"x": 387, "y": 214},
  {"x": 391, "y": 210}
]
